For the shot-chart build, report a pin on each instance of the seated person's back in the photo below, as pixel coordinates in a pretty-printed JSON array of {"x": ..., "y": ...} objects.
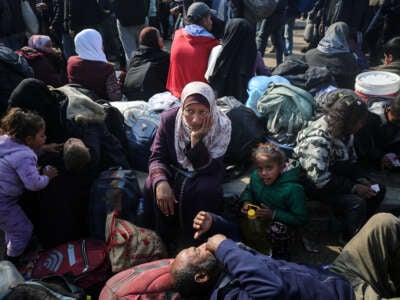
[
  {"x": 334, "y": 53},
  {"x": 46, "y": 61},
  {"x": 91, "y": 69},
  {"x": 148, "y": 68},
  {"x": 190, "y": 49}
]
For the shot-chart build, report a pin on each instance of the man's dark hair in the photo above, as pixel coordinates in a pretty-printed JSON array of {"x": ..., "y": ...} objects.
[
  {"x": 392, "y": 47},
  {"x": 185, "y": 283}
]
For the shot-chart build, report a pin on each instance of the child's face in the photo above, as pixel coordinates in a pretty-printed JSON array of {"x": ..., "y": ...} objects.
[
  {"x": 268, "y": 170},
  {"x": 36, "y": 142},
  {"x": 388, "y": 58}
]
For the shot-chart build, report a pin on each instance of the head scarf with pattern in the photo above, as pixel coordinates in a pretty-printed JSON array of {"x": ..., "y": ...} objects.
[
  {"x": 335, "y": 39},
  {"x": 38, "y": 42},
  {"x": 216, "y": 140},
  {"x": 89, "y": 45}
]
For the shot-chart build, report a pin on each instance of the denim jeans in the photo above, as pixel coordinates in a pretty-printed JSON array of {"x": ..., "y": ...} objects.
[
  {"x": 272, "y": 26},
  {"x": 355, "y": 211},
  {"x": 129, "y": 36},
  {"x": 288, "y": 35}
]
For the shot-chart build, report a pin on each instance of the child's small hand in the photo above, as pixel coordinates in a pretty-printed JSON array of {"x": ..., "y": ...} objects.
[
  {"x": 50, "y": 172},
  {"x": 202, "y": 223},
  {"x": 245, "y": 208},
  {"x": 264, "y": 212}
]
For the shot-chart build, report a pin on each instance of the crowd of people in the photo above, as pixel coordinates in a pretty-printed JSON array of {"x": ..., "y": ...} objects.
[{"x": 57, "y": 134}]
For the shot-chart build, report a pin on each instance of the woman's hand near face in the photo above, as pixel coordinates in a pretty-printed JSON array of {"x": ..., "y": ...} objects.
[
  {"x": 198, "y": 135},
  {"x": 165, "y": 198}
]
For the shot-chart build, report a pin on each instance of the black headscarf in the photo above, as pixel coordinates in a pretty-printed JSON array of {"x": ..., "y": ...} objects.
[
  {"x": 235, "y": 65},
  {"x": 33, "y": 94}
]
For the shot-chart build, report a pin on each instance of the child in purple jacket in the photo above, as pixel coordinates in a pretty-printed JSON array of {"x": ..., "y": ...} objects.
[{"x": 22, "y": 134}]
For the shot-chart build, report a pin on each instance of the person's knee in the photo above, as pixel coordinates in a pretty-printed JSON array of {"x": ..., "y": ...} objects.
[{"x": 384, "y": 219}]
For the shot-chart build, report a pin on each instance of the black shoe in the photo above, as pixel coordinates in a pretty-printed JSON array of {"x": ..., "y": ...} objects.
[{"x": 304, "y": 49}]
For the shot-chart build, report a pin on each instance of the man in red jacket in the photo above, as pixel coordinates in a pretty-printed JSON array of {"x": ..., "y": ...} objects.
[{"x": 191, "y": 48}]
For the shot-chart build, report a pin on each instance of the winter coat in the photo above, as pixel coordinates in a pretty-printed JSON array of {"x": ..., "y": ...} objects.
[
  {"x": 285, "y": 197},
  {"x": 147, "y": 73},
  {"x": 47, "y": 67},
  {"x": 96, "y": 76},
  {"x": 189, "y": 58},
  {"x": 343, "y": 66},
  {"x": 18, "y": 169},
  {"x": 319, "y": 155},
  {"x": 262, "y": 277},
  {"x": 79, "y": 15},
  {"x": 393, "y": 67}
]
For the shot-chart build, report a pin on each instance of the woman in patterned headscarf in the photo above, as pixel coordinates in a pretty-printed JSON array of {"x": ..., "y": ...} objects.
[
  {"x": 186, "y": 165},
  {"x": 46, "y": 62}
]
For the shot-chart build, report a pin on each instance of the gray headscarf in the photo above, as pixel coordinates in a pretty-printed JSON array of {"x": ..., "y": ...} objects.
[{"x": 335, "y": 39}]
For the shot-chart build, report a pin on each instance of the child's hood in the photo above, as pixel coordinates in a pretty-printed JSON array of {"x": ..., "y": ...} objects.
[
  {"x": 9, "y": 146},
  {"x": 291, "y": 173}
]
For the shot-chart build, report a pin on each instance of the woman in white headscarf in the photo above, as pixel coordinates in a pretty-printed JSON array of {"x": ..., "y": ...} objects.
[
  {"x": 91, "y": 69},
  {"x": 186, "y": 164},
  {"x": 333, "y": 52}
]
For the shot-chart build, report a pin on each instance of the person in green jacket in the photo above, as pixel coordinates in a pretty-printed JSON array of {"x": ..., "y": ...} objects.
[{"x": 274, "y": 187}]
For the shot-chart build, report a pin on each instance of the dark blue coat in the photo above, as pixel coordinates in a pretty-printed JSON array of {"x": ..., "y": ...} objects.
[{"x": 262, "y": 277}]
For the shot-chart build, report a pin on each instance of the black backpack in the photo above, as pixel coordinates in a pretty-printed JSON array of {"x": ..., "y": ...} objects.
[
  {"x": 104, "y": 198},
  {"x": 247, "y": 131},
  {"x": 114, "y": 122}
]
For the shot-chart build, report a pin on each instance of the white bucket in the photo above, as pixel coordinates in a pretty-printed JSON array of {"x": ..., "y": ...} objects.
[{"x": 377, "y": 83}]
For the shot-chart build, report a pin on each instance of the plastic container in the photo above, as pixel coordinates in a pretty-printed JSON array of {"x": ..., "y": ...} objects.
[
  {"x": 255, "y": 233},
  {"x": 377, "y": 83}
]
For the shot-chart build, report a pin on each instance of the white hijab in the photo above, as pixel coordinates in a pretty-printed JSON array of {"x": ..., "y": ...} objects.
[
  {"x": 89, "y": 45},
  {"x": 219, "y": 136}
]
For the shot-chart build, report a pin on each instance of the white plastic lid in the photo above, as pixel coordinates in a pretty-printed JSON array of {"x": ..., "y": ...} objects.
[{"x": 377, "y": 83}]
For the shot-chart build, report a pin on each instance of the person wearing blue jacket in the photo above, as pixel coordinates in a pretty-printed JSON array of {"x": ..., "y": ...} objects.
[{"x": 367, "y": 268}]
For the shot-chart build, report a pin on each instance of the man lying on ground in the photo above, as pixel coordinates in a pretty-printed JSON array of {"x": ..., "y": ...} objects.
[{"x": 367, "y": 268}]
